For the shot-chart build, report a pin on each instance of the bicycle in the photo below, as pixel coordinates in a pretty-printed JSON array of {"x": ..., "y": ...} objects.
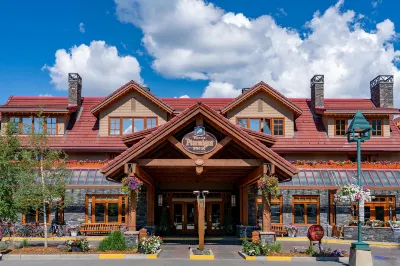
[{"x": 58, "y": 230}]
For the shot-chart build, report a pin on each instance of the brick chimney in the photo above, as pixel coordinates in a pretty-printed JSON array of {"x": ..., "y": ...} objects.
[
  {"x": 74, "y": 90},
  {"x": 382, "y": 91},
  {"x": 317, "y": 92}
]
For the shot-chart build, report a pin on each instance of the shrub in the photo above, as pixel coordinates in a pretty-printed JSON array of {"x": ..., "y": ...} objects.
[
  {"x": 114, "y": 241},
  {"x": 271, "y": 249},
  {"x": 79, "y": 244},
  {"x": 252, "y": 248},
  {"x": 25, "y": 243},
  {"x": 150, "y": 245},
  {"x": 3, "y": 246}
]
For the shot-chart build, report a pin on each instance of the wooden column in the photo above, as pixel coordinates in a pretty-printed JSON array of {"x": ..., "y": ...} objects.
[
  {"x": 245, "y": 206},
  {"x": 241, "y": 204},
  {"x": 150, "y": 205},
  {"x": 132, "y": 212},
  {"x": 200, "y": 208},
  {"x": 266, "y": 210},
  {"x": 266, "y": 203}
]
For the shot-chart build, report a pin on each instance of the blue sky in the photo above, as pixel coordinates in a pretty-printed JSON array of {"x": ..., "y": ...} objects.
[{"x": 31, "y": 33}]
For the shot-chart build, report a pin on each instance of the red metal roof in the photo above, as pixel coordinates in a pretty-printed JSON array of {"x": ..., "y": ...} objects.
[{"x": 310, "y": 135}]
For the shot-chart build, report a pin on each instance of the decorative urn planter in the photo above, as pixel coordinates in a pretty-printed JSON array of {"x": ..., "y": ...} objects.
[
  {"x": 74, "y": 233},
  {"x": 292, "y": 233}
]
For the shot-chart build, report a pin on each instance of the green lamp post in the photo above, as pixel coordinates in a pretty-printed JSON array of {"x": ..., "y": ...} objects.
[{"x": 359, "y": 131}]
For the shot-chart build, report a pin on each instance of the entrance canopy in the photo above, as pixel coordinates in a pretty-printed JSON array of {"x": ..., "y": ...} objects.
[{"x": 216, "y": 151}]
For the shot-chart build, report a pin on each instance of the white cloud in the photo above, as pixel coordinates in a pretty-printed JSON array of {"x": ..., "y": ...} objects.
[
  {"x": 197, "y": 40},
  {"x": 45, "y": 95},
  {"x": 184, "y": 96},
  {"x": 281, "y": 12},
  {"x": 101, "y": 68},
  {"x": 82, "y": 27},
  {"x": 376, "y": 3}
]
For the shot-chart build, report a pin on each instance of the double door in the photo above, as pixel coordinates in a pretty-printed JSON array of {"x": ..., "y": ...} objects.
[{"x": 185, "y": 218}]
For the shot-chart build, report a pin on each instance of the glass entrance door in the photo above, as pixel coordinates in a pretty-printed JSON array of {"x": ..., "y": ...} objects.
[
  {"x": 184, "y": 217},
  {"x": 214, "y": 213}
]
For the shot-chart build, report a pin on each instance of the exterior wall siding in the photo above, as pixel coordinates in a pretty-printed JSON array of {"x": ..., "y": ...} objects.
[
  {"x": 123, "y": 108},
  {"x": 271, "y": 108}
]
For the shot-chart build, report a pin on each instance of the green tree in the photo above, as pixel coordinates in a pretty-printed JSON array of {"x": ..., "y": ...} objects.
[
  {"x": 43, "y": 184},
  {"x": 11, "y": 170}
]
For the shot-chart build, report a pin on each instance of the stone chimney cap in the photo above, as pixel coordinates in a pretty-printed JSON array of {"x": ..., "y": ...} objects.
[
  {"x": 74, "y": 77},
  {"x": 317, "y": 79},
  {"x": 381, "y": 79}
]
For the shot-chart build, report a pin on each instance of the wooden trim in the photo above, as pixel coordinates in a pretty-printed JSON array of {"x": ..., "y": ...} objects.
[
  {"x": 106, "y": 202},
  {"x": 135, "y": 170},
  {"x": 32, "y": 117},
  {"x": 193, "y": 163},
  {"x": 345, "y": 126},
  {"x": 385, "y": 204},
  {"x": 37, "y": 214},
  {"x": 180, "y": 147},
  {"x": 245, "y": 205},
  {"x": 220, "y": 145},
  {"x": 252, "y": 177},
  {"x": 121, "y": 118},
  {"x": 305, "y": 207}
]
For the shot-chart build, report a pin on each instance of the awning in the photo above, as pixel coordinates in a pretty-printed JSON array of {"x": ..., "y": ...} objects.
[{"x": 340, "y": 177}]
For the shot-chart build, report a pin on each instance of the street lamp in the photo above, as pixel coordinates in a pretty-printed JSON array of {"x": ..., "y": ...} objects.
[{"x": 359, "y": 131}]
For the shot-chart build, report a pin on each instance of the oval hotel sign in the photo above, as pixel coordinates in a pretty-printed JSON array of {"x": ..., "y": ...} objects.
[{"x": 199, "y": 141}]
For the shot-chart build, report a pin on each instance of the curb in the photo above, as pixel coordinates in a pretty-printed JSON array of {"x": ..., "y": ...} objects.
[
  {"x": 104, "y": 256},
  {"x": 301, "y": 259},
  {"x": 201, "y": 257}
]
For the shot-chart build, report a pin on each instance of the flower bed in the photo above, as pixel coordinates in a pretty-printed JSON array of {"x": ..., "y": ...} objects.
[
  {"x": 150, "y": 245},
  {"x": 55, "y": 250},
  {"x": 345, "y": 164}
]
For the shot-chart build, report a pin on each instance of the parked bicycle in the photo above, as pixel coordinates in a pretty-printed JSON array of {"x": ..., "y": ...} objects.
[
  {"x": 30, "y": 230},
  {"x": 58, "y": 230}
]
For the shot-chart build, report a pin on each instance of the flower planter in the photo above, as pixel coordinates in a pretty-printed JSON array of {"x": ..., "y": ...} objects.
[
  {"x": 292, "y": 233},
  {"x": 74, "y": 233}
]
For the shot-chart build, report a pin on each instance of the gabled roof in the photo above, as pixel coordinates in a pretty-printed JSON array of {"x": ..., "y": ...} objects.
[
  {"x": 180, "y": 104},
  {"x": 350, "y": 106},
  {"x": 262, "y": 86},
  {"x": 29, "y": 104},
  {"x": 157, "y": 136},
  {"x": 131, "y": 85}
]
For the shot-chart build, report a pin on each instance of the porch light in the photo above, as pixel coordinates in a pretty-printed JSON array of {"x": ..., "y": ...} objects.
[
  {"x": 160, "y": 200},
  {"x": 233, "y": 200},
  {"x": 359, "y": 131}
]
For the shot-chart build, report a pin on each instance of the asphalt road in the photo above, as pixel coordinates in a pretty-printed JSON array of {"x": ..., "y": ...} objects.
[{"x": 175, "y": 263}]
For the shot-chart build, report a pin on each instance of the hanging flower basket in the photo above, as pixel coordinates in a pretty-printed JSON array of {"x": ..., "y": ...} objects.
[
  {"x": 268, "y": 184},
  {"x": 131, "y": 184},
  {"x": 352, "y": 193}
]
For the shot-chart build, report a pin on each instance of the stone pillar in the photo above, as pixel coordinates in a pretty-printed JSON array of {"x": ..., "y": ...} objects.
[
  {"x": 132, "y": 212},
  {"x": 343, "y": 214}
]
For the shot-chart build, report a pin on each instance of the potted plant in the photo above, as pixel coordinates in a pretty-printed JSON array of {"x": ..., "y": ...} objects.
[
  {"x": 73, "y": 230},
  {"x": 131, "y": 183},
  {"x": 291, "y": 230}
]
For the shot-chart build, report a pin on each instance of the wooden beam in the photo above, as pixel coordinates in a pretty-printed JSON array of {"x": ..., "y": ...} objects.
[
  {"x": 150, "y": 205},
  {"x": 245, "y": 206},
  {"x": 236, "y": 163},
  {"x": 252, "y": 177},
  {"x": 199, "y": 120},
  {"x": 133, "y": 169},
  {"x": 199, "y": 170},
  {"x": 180, "y": 147},
  {"x": 220, "y": 145}
]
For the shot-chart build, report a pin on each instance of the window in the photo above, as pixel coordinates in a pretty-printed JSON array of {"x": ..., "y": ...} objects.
[
  {"x": 27, "y": 125},
  {"x": 372, "y": 158},
  {"x": 305, "y": 210},
  {"x": 151, "y": 122},
  {"x": 106, "y": 209},
  {"x": 130, "y": 124},
  {"x": 377, "y": 128},
  {"x": 340, "y": 127},
  {"x": 278, "y": 127},
  {"x": 36, "y": 216},
  {"x": 51, "y": 125},
  {"x": 276, "y": 210},
  {"x": 271, "y": 126},
  {"x": 378, "y": 209},
  {"x": 115, "y": 126}
]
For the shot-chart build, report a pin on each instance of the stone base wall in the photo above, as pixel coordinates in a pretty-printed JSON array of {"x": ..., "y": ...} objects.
[{"x": 381, "y": 234}]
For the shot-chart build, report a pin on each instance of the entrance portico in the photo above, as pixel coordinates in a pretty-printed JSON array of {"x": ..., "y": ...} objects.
[{"x": 173, "y": 170}]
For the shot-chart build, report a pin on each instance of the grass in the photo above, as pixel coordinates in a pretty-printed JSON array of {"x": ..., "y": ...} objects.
[{"x": 25, "y": 243}]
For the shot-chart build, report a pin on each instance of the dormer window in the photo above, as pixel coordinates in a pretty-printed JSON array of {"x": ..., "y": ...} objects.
[
  {"x": 129, "y": 125},
  {"x": 27, "y": 125},
  {"x": 271, "y": 126},
  {"x": 377, "y": 128},
  {"x": 340, "y": 127}
]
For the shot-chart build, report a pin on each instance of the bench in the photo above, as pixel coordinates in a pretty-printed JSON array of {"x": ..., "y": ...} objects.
[
  {"x": 99, "y": 228},
  {"x": 279, "y": 229}
]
